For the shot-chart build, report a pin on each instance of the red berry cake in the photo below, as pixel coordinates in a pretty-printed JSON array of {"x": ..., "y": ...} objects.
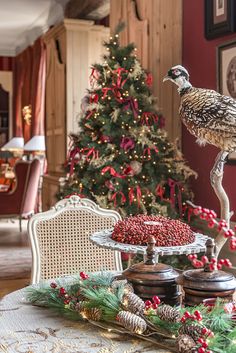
[{"x": 167, "y": 232}]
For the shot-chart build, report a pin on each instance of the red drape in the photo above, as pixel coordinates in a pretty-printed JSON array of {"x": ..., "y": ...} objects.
[{"x": 29, "y": 75}]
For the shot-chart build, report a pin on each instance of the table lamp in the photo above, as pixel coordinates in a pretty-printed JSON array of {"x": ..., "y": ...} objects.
[
  {"x": 36, "y": 144},
  {"x": 15, "y": 144}
]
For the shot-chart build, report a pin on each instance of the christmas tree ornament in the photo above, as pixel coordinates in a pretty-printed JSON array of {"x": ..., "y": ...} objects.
[
  {"x": 136, "y": 166},
  {"x": 132, "y": 322},
  {"x": 185, "y": 344},
  {"x": 168, "y": 313},
  {"x": 211, "y": 117},
  {"x": 133, "y": 303}
]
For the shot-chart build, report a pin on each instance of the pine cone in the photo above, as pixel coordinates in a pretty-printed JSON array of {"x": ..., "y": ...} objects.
[
  {"x": 91, "y": 313},
  {"x": 185, "y": 344},
  {"x": 193, "y": 330},
  {"x": 132, "y": 322},
  {"x": 128, "y": 288},
  {"x": 167, "y": 313},
  {"x": 133, "y": 303}
]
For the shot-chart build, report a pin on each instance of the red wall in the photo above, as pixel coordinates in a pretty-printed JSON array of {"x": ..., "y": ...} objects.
[
  {"x": 6, "y": 63},
  {"x": 199, "y": 57}
]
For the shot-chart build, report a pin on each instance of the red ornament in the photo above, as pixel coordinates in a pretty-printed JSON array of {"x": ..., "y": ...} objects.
[
  {"x": 149, "y": 79},
  {"x": 154, "y": 305}
]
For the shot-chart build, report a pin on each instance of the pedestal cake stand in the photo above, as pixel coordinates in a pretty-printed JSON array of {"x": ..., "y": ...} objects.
[{"x": 104, "y": 240}]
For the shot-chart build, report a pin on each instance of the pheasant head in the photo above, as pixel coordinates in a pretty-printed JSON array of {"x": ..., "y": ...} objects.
[{"x": 180, "y": 76}]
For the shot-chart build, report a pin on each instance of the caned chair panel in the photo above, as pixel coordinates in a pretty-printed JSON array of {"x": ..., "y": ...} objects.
[{"x": 60, "y": 239}]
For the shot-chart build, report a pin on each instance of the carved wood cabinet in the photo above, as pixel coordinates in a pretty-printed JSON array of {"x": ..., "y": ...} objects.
[{"x": 72, "y": 47}]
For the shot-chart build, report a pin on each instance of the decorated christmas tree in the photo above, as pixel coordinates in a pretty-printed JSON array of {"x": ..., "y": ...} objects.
[{"x": 121, "y": 158}]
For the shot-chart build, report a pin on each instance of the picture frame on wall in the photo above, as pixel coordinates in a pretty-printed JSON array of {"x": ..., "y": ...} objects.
[
  {"x": 226, "y": 76},
  {"x": 219, "y": 18}
]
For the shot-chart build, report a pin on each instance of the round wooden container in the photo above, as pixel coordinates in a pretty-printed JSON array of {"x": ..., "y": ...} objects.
[
  {"x": 199, "y": 285},
  {"x": 149, "y": 279},
  {"x": 205, "y": 283}
]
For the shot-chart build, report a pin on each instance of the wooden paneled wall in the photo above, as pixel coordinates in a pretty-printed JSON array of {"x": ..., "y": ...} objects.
[{"x": 155, "y": 26}]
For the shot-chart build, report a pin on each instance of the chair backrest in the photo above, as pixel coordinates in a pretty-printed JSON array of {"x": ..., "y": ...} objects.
[
  {"x": 26, "y": 187},
  {"x": 60, "y": 239}
]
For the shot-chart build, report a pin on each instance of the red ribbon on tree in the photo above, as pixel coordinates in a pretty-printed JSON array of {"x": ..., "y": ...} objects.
[
  {"x": 160, "y": 191},
  {"x": 93, "y": 98},
  {"x": 114, "y": 197},
  {"x": 118, "y": 72},
  {"x": 189, "y": 210},
  {"x": 92, "y": 153},
  {"x": 149, "y": 118},
  {"x": 112, "y": 172},
  {"x": 132, "y": 194},
  {"x": 94, "y": 76},
  {"x": 132, "y": 104},
  {"x": 147, "y": 151},
  {"x": 90, "y": 113},
  {"x": 173, "y": 184},
  {"x": 127, "y": 143},
  {"x": 72, "y": 158}
]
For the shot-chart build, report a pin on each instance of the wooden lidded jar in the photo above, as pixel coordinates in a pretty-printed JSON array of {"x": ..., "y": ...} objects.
[
  {"x": 150, "y": 278},
  {"x": 200, "y": 284}
]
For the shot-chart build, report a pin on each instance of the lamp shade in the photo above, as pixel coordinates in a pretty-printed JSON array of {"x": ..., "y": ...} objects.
[
  {"x": 16, "y": 143},
  {"x": 37, "y": 143}
]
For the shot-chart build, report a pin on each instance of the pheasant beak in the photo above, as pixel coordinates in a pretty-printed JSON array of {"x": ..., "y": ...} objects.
[{"x": 166, "y": 78}]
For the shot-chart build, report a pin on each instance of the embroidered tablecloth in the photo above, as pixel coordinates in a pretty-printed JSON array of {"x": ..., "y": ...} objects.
[{"x": 29, "y": 329}]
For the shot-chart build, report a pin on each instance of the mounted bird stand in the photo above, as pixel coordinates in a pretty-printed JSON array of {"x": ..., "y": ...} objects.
[{"x": 211, "y": 117}]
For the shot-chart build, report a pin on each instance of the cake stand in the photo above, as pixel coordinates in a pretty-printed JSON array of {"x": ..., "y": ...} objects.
[{"x": 104, "y": 240}]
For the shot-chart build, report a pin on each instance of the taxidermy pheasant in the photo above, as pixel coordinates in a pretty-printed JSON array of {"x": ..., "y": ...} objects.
[{"x": 207, "y": 114}]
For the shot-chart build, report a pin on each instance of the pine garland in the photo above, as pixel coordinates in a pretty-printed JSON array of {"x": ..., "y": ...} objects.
[{"x": 93, "y": 297}]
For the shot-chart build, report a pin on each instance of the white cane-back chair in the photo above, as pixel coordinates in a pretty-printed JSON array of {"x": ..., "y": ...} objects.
[{"x": 60, "y": 239}]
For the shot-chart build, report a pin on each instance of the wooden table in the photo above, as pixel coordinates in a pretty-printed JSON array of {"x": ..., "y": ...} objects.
[{"x": 30, "y": 329}]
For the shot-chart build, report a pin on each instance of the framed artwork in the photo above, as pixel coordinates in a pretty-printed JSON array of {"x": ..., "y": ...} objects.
[
  {"x": 219, "y": 18},
  {"x": 226, "y": 76}
]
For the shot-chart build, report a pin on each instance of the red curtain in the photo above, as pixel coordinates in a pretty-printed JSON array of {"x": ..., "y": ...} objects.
[{"x": 29, "y": 75}]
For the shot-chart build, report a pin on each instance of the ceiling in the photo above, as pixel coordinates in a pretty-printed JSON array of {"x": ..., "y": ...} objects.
[{"x": 22, "y": 21}]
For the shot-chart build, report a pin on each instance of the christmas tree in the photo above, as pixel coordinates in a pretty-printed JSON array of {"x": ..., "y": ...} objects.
[{"x": 121, "y": 158}]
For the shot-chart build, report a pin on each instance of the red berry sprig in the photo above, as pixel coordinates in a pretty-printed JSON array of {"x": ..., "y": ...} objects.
[
  {"x": 53, "y": 285},
  {"x": 83, "y": 275},
  {"x": 213, "y": 264},
  {"x": 196, "y": 316},
  {"x": 152, "y": 304},
  {"x": 210, "y": 217}
]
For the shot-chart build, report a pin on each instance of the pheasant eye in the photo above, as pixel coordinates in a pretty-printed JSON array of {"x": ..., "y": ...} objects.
[{"x": 176, "y": 72}]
